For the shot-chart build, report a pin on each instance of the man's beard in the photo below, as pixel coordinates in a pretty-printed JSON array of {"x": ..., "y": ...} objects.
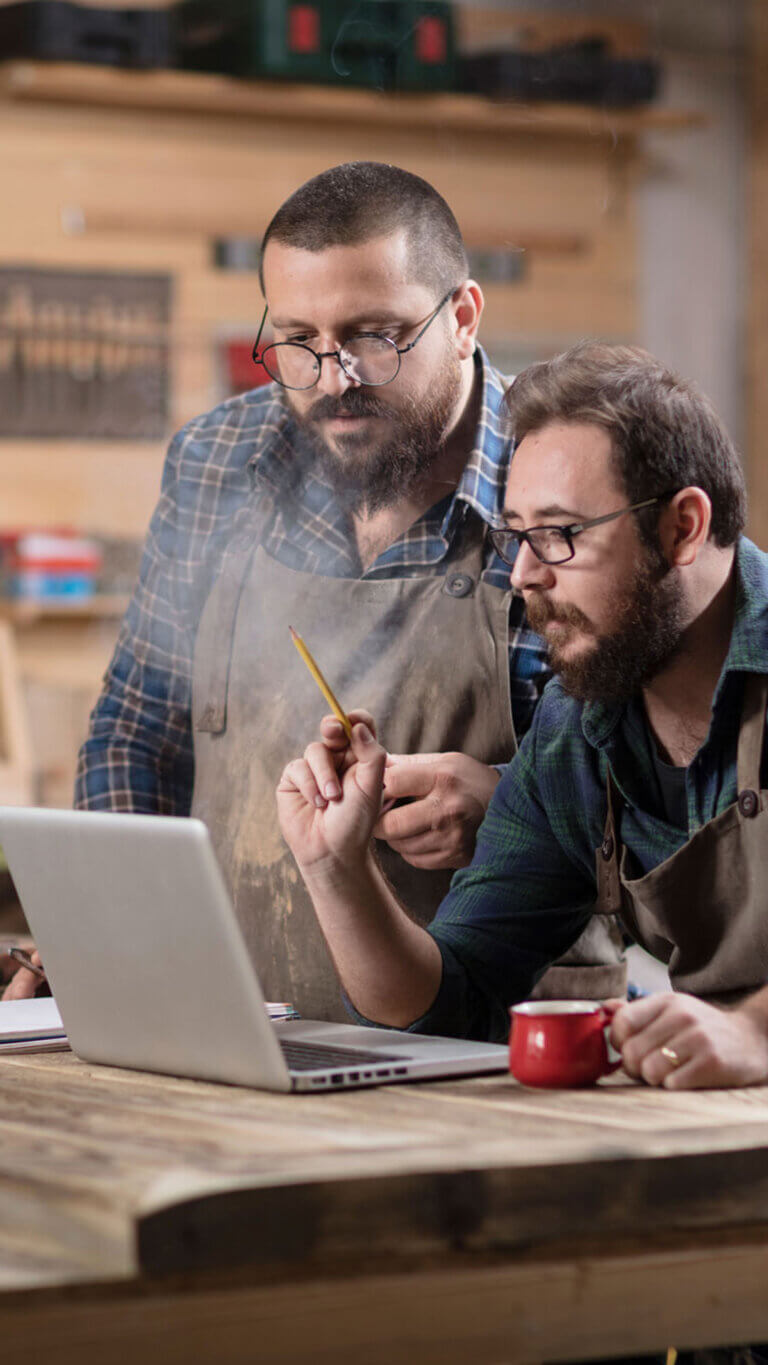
[
  {"x": 647, "y": 634},
  {"x": 367, "y": 473}
]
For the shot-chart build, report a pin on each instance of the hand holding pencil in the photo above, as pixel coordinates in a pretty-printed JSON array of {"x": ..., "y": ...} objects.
[
  {"x": 320, "y": 680},
  {"x": 335, "y": 739}
]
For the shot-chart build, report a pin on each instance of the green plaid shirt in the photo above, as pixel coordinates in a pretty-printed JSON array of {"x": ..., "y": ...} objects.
[{"x": 530, "y": 889}]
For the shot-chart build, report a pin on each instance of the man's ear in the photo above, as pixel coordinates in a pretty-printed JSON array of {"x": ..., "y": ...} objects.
[
  {"x": 467, "y": 307},
  {"x": 684, "y": 525}
]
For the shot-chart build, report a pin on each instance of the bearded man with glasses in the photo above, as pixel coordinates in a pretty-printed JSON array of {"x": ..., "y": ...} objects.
[
  {"x": 641, "y": 788},
  {"x": 351, "y": 498}
]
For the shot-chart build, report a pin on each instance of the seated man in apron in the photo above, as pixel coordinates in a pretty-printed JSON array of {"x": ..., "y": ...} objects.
[
  {"x": 641, "y": 788},
  {"x": 350, "y": 497}
]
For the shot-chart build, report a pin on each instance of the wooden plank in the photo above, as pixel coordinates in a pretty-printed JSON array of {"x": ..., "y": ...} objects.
[
  {"x": 578, "y": 1307},
  {"x": 193, "y": 1177},
  {"x": 189, "y": 91},
  {"x": 103, "y": 486}
]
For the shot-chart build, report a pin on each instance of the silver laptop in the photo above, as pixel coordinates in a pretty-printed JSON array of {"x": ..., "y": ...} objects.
[{"x": 149, "y": 969}]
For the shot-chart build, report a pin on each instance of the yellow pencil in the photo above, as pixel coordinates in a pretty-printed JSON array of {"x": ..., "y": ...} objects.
[{"x": 320, "y": 680}]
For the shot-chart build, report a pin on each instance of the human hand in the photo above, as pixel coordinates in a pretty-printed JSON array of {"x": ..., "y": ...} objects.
[
  {"x": 448, "y": 796},
  {"x": 329, "y": 800},
  {"x": 23, "y": 984},
  {"x": 682, "y": 1043}
]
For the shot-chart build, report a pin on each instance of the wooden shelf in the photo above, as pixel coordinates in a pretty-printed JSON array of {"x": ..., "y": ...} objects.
[
  {"x": 101, "y": 606},
  {"x": 193, "y": 92}
]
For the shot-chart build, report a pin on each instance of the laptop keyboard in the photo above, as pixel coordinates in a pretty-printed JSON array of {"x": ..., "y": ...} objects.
[{"x": 318, "y": 1056}]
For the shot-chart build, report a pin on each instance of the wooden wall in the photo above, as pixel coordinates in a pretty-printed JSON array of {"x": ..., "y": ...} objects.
[
  {"x": 154, "y": 187},
  {"x": 134, "y": 171}
]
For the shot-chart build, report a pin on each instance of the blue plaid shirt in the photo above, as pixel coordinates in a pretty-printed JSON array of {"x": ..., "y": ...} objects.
[
  {"x": 531, "y": 887},
  {"x": 139, "y": 754}
]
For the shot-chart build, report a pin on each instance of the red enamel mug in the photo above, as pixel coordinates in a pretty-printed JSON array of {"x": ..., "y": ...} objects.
[{"x": 561, "y": 1043}]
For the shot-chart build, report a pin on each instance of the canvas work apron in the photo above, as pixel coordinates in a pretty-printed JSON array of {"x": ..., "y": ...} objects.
[
  {"x": 426, "y": 656},
  {"x": 704, "y": 911}
]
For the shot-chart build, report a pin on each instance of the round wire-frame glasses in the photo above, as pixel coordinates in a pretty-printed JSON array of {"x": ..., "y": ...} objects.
[
  {"x": 368, "y": 358},
  {"x": 554, "y": 544}
]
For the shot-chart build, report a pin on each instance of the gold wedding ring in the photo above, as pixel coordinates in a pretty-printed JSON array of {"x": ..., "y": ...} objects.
[{"x": 671, "y": 1055}]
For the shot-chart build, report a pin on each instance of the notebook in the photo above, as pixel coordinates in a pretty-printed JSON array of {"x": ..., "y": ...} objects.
[
  {"x": 31, "y": 1026},
  {"x": 149, "y": 968}
]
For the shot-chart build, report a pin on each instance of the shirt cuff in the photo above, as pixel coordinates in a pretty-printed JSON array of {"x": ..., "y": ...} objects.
[{"x": 457, "y": 1011}]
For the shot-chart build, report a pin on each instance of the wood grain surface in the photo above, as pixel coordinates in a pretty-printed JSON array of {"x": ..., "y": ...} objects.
[{"x": 107, "y": 1173}]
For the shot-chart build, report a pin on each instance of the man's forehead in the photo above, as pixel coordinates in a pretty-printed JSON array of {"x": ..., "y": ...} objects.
[
  {"x": 381, "y": 264},
  {"x": 561, "y": 464}
]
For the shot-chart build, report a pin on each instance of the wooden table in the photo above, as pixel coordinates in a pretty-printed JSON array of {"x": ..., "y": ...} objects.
[{"x": 172, "y": 1222}]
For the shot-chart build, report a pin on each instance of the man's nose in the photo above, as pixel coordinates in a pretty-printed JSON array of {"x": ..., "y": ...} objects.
[
  {"x": 334, "y": 380},
  {"x": 528, "y": 570}
]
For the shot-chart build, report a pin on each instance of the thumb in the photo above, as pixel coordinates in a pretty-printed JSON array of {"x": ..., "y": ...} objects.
[{"x": 371, "y": 758}]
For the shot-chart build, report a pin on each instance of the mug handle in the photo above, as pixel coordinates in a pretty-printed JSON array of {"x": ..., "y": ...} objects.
[{"x": 614, "y": 1056}]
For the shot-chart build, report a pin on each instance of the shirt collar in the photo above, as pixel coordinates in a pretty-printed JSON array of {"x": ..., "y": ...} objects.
[
  {"x": 483, "y": 481},
  {"x": 747, "y": 651}
]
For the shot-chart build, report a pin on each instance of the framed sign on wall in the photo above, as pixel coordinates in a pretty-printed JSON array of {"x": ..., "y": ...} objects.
[{"x": 84, "y": 353}]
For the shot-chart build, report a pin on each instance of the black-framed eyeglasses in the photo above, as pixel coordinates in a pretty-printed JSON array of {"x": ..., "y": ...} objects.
[
  {"x": 367, "y": 357},
  {"x": 554, "y": 544}
]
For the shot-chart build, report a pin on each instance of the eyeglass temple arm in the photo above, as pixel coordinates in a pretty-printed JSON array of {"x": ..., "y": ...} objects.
[
  {"x": 403, "y": 350},
  {"x": 575, "y": 529},
  {"x": 254, "y": 357}
]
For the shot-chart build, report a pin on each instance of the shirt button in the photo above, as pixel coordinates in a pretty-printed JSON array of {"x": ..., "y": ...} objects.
[
  {"x": 459, "y": 584},
  {"x": 749, "y": 803},
  {"x": 606, "y": 848}
]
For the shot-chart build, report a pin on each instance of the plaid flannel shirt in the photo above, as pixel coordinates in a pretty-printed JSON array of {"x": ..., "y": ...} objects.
[
  {"x": 139, "y": 752},
  {"x": 531, "y": 887}
]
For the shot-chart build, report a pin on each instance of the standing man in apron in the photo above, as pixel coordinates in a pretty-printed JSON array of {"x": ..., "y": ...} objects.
[
  {"x": 351, "y": 499},
  {"x": 641, "y": 788}
]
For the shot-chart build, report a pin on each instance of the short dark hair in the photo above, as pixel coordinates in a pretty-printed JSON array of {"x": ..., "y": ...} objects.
[
  {"x": 665, "y": 433},
  {"x": 359, "y": 200}
]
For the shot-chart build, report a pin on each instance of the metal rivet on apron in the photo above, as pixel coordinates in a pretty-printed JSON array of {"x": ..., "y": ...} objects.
[
  {"x": 748, "y": 803},
  {"x": 606, "y": 848},
  {"x": 459, "y": 584}
]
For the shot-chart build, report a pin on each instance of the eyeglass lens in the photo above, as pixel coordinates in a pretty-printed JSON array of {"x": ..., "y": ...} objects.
[
  {"x": 549, "y": 543},
  {"x": 367, "y": 360}
]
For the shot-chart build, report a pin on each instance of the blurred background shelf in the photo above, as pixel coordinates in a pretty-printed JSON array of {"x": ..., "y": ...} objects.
[
  {"x": 193, "y": 92},
  {"x": 101, "y": 607}
]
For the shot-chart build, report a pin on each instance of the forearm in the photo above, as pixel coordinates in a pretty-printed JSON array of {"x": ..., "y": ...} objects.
[
  {"x": 118, "y": 775},
  {"x": 389, "y": 967},
  {"x": 138, "y": 755}
]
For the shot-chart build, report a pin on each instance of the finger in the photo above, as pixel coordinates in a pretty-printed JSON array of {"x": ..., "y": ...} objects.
[
  {"x": 432, "y": 862},
  {"x": 297, "y": 776},
  {"x": 22, "y": 985},
  {"x": 418, "y": 760},
  {"x": 368, "y": 772},
  {"x": 321, "y": 764},
  {"x": 634, "y": 1015},
  {"x": 407, "y": 822},
  {"x": 431, "y": 842},
  {"x": 409, "y": 779},
  {"x": 641, "y": 1048},
  {"x": 333, "y": 731}
]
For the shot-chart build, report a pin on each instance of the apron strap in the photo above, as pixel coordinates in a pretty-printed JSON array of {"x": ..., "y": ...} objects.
[
  {"x": 466, "y": 565},
  {"x": 608, "y": 900},
  {"x": 752, "y": 734},
  {"x": 217, "y": 626}
]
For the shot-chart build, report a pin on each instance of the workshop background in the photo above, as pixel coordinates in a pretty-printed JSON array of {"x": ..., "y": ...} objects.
[{"x": 608, "y": 164}]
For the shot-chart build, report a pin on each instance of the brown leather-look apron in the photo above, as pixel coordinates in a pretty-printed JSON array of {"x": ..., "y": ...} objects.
[
  {"x": 704, "y": 911},
  {"x": 427, "y": 656}
]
